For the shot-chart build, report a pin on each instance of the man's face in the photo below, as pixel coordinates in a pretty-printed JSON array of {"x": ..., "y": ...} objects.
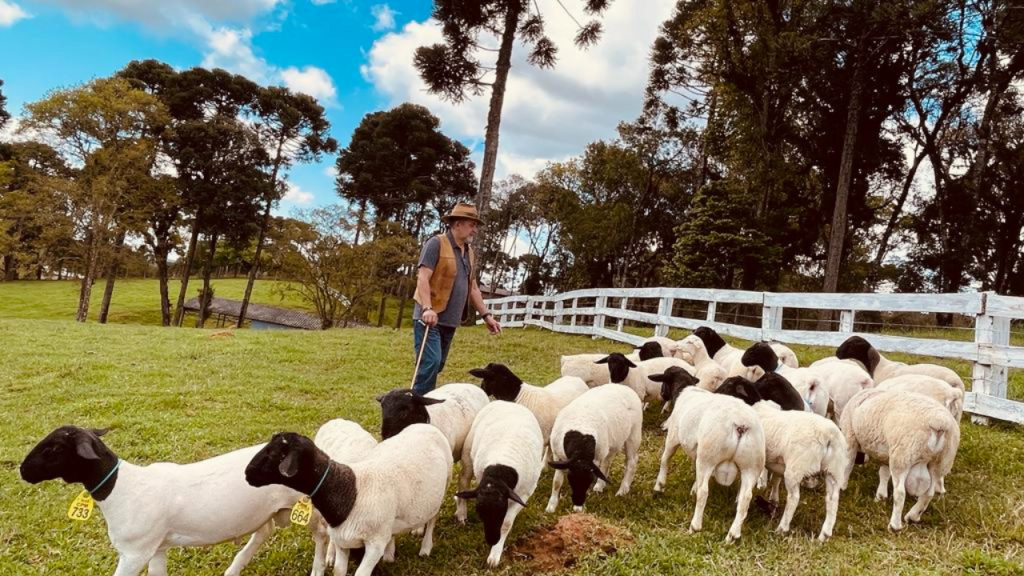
[{"x": 465, "y": 230}]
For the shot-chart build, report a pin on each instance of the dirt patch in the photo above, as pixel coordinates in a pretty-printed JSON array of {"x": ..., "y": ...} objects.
[
  {"x": 222, "y": 334},
  {"x": 558, "y": 546}
]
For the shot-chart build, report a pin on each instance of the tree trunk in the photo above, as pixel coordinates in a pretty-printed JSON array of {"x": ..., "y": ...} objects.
[
  {"x": 162, "y": 272},
  {"x": 264, "y": 224},
  {"x": 88, "y": 276},
  {"x": 897, "y": 211},
  {"x": 838, "y": 232},
  {"x": 186, "y": 271},
  {"x": 207, "y": 269},
  {"x": 108, "y": 290},
  {"x": 360, "y": 221},
  {"x": 504, "y": 63}
]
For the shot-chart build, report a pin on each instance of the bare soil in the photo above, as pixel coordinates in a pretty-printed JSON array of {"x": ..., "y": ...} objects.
[{"x": 556, "y": 547}]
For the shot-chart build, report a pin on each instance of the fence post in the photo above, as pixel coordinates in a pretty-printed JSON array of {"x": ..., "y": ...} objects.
[
  {"x": 559, "y": 306},
  {"x": 664, "y": 312},
  {"x": 988, "y": 378},
  {"x": 846, "y": 321},
  {"x": 575, "y": 305},
  {"x": 771, "y": 321},
  {"x": 599, "y": 305},
  {"x": 623, "y": 305},
  {"x": 528, "y": 312},
  {"x": 712, "y": 310}
]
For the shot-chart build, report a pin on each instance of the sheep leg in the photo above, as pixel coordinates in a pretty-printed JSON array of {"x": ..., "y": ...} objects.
[
  {"x": 494, "y": 557},
  {"x": 389, "y": 552},
  {"x": 605, "y": 465},
  {"x": 331, "y": 553},
  {"x": 340, "y": 560},
  {"x": 914, "y": 515},
  {"x": 460, "y": 503},
  {"x": 899, "y": 495},
  {"x": 374, "y": 550},
  {"x": 632, "y": 456},
  {"x": 556, "y": 487},
  {"x": 831, "y": 506},
  {"x": 748, "y": 479},
  {"x": 158, "y": 563},
  {"x": 704, "y": 472},
  {"x": 428, "y": 536},
  {"x": 246, "y": 553},
  {"x": 792, "y": 500},
  {"x": 318, "y": 533},
  {"x": 671, "y": 445},
  {"x": 852, "y": 447},
  {"x": 884, "y": 474},
  {"x": 132, "y": 565}
]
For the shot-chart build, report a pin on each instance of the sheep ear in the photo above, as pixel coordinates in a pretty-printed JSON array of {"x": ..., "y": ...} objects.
[
  {"x": 656, "y": 377},
  {"x": 514, "y": 497},
  {"x": 467, "y": 495},
  {"x": 602, "y": 360},
  {"x": 99, "y": 431},
  {"x": 630, "y": 363},
  {"x": 84, "y": 448},
  {"x": 424, "y": 401},
  {"x": 289, "y": 467},
  {"x": 597, "y": 472},
  {"x": 380, "y": 399},
  {"x": 562, "y": 465},
  {"x": 873, "y": 360},
  {"x": 480, "y": 372}
]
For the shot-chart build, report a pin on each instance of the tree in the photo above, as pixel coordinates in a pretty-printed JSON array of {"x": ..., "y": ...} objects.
[
  {"x": 4, "y": 114},
  {"x": 400, "y": 163},
  {"x": 335, "y": 276},
  {"x": 454, "y": 70},
  {"x": 295, "y": 128},
  {"x": 103, "y": 126}
]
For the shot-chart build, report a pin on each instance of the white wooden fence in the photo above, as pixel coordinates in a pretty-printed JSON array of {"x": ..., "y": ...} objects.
[{"x": 990, "y": 352}]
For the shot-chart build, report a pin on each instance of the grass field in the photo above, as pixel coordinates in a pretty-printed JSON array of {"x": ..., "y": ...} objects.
[{"x": 183, "y": 395}]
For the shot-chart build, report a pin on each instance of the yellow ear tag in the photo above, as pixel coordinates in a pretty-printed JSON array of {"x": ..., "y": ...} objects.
[
  {"x": 81, "y": 508},
  {"x": 302, "y": 511}
]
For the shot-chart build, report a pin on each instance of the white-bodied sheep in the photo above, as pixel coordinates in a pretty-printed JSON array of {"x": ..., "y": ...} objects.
[
  {"x": 725, "y": 439},
  {"x": 344, "y": 441},
  {"x": 584, "y": 366},
  {"x": 545, "y": 402},
  {"x": 669, "y": 348},
  {"x": 938, "y": 390},
  {"x": 398, "y": 487},
  {"x": 881, "y": 368},
  {"x": 906, "y": 432},
  {"x": 820, "y": 383},
  {"x": 800, "y": 445},
  {"x": 709, "y": 373},
  {"x": 200, "y": 504},
  {"x": 504, "y": 451},
  {"x": 450, "y": 408},
  {"x": 587, "y": 433}
]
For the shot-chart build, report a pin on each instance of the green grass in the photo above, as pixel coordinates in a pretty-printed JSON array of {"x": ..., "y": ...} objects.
[{"x": 182, "y": 395}]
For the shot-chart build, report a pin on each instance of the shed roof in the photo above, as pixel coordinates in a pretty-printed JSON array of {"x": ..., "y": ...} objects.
[{"x": 261, "y": 313}]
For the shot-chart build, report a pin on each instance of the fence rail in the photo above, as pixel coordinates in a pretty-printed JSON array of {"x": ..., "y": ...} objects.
[{"x": 990, "y": 352}]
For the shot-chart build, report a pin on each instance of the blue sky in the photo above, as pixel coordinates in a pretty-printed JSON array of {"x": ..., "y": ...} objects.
[{"x": 355, "y": 56}]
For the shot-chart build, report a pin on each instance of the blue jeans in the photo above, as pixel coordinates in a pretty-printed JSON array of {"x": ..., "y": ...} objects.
[{"x": 435, "y": 354}]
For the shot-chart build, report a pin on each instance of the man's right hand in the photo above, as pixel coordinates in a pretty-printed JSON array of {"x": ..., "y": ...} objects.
[{"x": 429, "y": 317}]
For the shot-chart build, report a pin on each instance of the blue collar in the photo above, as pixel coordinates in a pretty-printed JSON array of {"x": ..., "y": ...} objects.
[
  {"x": 319, "y": 484},
  {"x": 104, "y": 481}
]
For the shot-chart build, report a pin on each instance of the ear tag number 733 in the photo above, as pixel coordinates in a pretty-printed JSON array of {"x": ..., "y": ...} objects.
[{"x": 81, "y": 507}]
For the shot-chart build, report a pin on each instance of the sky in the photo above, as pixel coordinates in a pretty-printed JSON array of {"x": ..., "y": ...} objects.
[{"x": 354, "y": 56}]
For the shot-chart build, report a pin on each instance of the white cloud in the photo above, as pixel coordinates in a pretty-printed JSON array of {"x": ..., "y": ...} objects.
[
  {"x": 11, "y": 13},
  {"x": 296, "y": 195},
  {"x": 331, "y": 172},
  {"x": 231, "y": 49},
  {"x": 384, "y": 17},
  {"x": 548, "y": 115},
  {"x": 322, "y": 2},
  {"x": 311, "y": 80}
]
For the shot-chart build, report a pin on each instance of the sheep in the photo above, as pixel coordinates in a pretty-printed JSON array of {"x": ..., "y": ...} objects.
[
  {"x": 583, "y": 366},
  {"x": 728, "y": 356},
  {"x": 881, "y": 368},
  {"x": 771, "y": 387},
  {"x": 545, "y": 403},
  {"x": 649, "y": 350},
  {"x": 710, "y": 374},
  {"x": 504, "y": 451},
  {"x": 587, "y": 433},
  {"x": 908, "y": 433},
  {"x": 668, "y": 346},
  {"x": 200, "y": 504},
  {"x": 344, "y": 441},
  {"x": 799, "y": 445},
  {"x": 938, "y": 390},
  {"x": 450, "y": 408},
  {"x": 725, "y": 439},
  {"x": 634, "y": 375},
  {"x": 835, "y": 381},
  {"x": 399, "y": 486}
]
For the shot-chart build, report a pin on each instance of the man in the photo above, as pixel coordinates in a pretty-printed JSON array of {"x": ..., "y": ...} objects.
[{"x": 445, "y": 281}]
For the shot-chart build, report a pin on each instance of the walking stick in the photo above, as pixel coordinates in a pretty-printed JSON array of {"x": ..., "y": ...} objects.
[{"x": 419, "y": 357}]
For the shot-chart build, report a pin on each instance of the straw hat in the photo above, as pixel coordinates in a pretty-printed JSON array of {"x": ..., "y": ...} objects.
[{"x": 462, "y": 210}]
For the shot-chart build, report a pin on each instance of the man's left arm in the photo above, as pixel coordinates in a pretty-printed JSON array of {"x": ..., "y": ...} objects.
[{"x": 477, "y": 300}]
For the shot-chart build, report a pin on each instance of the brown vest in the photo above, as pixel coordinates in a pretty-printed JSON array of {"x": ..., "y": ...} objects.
[{"x": 443, "y": 279}]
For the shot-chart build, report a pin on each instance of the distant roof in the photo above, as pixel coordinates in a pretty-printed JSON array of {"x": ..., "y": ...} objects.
[
  {"x": 261, "y": 313},
  {"x": 495, "y": 291}
]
